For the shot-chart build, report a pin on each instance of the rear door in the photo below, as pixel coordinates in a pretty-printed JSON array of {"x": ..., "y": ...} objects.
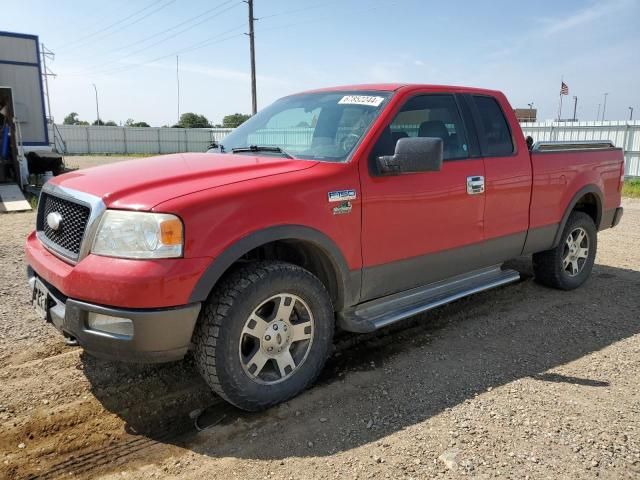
[
  {"x": 508, "y": 177},
  {"x": 422, "y": 227}
]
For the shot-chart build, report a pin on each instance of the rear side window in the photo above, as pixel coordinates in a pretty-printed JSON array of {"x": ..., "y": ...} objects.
[{"x": 495, "y": 136}]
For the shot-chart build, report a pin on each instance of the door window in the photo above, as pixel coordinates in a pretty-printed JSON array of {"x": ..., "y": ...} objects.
[
  {"x": 427, "y": 116},
  {"x": 495, "y": 136}
]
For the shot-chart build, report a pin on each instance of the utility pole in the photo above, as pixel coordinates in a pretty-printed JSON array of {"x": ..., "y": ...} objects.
[
  {"x": 254, "y": 100},
  {"x": 97, "y": 110},
  {"x": 630, "y": 113},
  {"x": 575, "y": 107},
  {"x": 46, "y": 73},
  {"x": 604, "y": 107},
  {"x": 178, "y": 86}
]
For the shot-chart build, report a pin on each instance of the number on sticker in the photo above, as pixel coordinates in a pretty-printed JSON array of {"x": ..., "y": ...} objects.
[{"x": 368, "y": 100}]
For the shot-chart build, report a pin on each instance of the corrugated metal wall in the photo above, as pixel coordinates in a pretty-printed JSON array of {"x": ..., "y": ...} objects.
[
  {"x": 123, "y": 140},
  {"x": 78, "y": 139},
  {"x": 623, "y": 134}
]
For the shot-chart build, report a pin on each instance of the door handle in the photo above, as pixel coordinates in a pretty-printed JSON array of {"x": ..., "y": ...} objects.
[{"x": 475, "y": 185}]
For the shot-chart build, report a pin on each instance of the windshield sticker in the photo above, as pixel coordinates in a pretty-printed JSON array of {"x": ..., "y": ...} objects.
[{"x": 361, "y": 100}]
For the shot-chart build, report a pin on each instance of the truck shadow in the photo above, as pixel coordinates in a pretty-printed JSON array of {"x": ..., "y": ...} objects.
[{"x": 378, "y": 384}]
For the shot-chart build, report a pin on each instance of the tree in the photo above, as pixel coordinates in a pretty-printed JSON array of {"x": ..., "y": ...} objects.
[
  {"x": 192, "y": 120},
  {"x": 72, "y": 119},
  {"x": 235, "y": 120},
  {"x": 110, "y": 123},
  {"x": 131, "y": 123}
]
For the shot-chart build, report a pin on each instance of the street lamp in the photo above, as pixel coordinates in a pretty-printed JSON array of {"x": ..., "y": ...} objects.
[
  {"x": 97, "y": 110},
  {"x": 575, "y": 107},
  {"x": 604, "y": 107},
  {"x": 630, "y": 113},
  {"x": 530, "y": 111}
]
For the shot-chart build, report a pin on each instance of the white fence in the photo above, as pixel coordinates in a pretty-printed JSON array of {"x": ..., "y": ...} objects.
[
  {"x": 623, "y": 134},
  {"x": 78, "y": 139},
  {"x": 74, "y": 139}
]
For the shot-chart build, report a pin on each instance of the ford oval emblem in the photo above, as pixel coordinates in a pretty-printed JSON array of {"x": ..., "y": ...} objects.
[{"x": 54, "y": 219}]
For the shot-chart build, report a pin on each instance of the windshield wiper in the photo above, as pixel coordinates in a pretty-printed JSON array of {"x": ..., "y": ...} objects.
[{"x": 262, "y": 148}]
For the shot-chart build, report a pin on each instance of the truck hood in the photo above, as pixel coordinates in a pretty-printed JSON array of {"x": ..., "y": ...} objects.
[{"x": 144, "y": 183}]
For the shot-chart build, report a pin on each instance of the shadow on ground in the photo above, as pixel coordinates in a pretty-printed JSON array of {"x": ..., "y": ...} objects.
[{"x": 378, "y": 384}]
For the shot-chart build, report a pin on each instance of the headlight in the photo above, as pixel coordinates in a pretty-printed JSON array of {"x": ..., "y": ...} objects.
[{"x": 139, "y": 235}]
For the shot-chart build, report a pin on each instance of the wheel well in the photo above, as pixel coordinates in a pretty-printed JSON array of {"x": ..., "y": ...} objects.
[
  {"x": 590, "y": 205},
  {"x": 306, "y": 255}
]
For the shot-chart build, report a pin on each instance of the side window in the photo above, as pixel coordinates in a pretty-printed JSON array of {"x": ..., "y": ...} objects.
[
  {"x": 427, "y": 116},
  {"x": 495, "y": 134}
]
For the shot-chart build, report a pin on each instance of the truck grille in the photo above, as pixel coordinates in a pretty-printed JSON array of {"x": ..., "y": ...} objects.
[{"x": 67, "y": 239}]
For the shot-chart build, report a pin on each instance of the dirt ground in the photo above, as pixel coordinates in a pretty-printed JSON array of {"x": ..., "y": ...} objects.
[{"x": 519, "y": 382}]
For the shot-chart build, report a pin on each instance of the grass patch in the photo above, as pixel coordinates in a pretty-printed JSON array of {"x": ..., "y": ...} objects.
[{"x": 631, "y": 188}]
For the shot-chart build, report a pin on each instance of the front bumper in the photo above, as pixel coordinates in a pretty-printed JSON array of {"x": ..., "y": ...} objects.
[
  {"x": 128, "y": 283},
  {"x": 159, "y": 335}
]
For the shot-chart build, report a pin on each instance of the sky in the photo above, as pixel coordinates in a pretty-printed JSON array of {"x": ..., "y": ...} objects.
[{"x": 128, "y": 49}]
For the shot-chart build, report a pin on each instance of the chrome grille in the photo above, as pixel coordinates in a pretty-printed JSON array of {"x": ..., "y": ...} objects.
[{"x": 67, "y": 239}]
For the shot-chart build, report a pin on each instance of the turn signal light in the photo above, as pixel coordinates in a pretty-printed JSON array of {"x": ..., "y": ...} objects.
[{"x": 171, "y": 232}]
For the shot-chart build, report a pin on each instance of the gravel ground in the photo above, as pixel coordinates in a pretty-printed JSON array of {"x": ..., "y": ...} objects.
[
  {"x": 519, "y": 382},
  {"x": 86, "y": 161}
]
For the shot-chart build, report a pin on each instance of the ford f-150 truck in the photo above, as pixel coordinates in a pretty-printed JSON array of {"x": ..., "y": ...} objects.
[{"x": 343, "y": 208}]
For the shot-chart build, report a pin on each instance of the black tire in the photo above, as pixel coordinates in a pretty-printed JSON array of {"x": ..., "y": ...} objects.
[
  {"x": 548, "y": 265},
  {"x": 220, "y": 327}
]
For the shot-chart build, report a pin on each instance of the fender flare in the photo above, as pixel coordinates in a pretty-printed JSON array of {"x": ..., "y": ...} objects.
[
  {"x": 348, "y": 282},
  {"x": 579, "y": 194}
]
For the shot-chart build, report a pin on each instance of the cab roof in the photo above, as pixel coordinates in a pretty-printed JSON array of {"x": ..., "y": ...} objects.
[{"x": 392, "y": 87}]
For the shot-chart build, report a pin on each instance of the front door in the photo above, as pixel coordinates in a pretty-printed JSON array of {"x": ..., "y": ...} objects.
[{"x": 422, "y": 227}]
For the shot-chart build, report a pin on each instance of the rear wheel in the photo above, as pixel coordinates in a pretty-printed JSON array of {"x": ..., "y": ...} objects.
[
  {"x": 264, "y": 335},
  {"x": 568, "y": 265}
]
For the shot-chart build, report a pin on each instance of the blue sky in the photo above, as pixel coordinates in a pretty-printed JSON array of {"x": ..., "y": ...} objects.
[{"x": 128, "y": 47}]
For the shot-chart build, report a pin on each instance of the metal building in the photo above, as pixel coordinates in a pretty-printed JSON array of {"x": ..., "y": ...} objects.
[{"x": 20, "y": 72}]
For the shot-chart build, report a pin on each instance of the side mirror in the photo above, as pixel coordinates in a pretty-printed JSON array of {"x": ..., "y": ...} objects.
[
  {"x": 529, "y": 141},
  {"x": 413, "y": 154}
]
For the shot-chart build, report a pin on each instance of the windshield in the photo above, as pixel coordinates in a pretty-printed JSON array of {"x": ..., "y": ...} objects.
[{"x": 317, "y": 126}]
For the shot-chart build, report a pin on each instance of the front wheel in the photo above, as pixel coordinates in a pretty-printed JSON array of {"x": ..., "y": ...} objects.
[
  {"x": 569, "y": 264},
  {"x": 264, "y": 334}
]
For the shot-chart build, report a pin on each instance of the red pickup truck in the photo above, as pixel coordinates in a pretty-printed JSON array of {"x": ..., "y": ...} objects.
[{"x": 349, "y": 207}]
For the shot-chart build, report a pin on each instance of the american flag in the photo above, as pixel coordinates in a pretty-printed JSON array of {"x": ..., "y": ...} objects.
[{"x": 564, "y": 89}]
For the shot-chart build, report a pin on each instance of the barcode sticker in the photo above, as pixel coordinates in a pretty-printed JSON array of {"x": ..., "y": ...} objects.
[{"x": 368, "y": 100}]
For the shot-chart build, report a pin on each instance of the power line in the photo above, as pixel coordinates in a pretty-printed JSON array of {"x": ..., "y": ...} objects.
[
  {"x": 98, "y": 68},
  {"x": 196, "y": 46},
  {"x": 216, "y": 39},
  {"x": 104, "y": 32},
  {"x": 166, "y": 30}
]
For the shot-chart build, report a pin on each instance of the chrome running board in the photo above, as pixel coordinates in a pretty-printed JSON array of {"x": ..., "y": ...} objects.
[{"x": 381, "y": 312}]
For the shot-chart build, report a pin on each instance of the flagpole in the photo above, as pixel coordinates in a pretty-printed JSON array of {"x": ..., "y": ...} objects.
[
  {"x": 560, "y": 107},
  {"x": 560, "y": 110}
]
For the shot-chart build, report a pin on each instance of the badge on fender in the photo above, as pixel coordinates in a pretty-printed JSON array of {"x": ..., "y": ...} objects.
[
  {"x": 344, "y": 207},
  {"x": 342, "y": 195}
]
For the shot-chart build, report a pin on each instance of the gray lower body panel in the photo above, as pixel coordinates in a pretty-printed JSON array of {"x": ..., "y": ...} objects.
[
  {"x": 379, "y": 313},
  {"x": 159, "y": 335},
  {"x": 611, "y": 218},
  {"x": 412, "y": 272}
]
